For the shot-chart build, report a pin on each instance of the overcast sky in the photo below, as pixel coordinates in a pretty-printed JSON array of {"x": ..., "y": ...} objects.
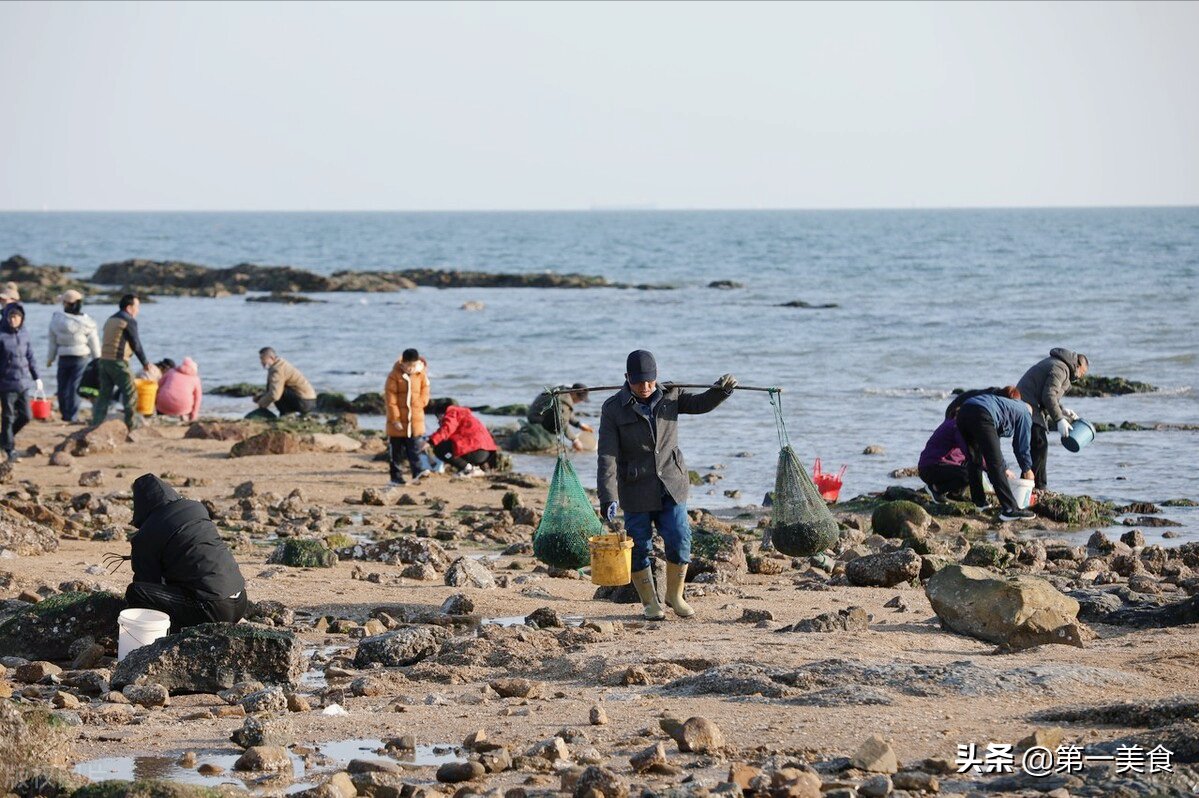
[{"x": 570, "y": 105}]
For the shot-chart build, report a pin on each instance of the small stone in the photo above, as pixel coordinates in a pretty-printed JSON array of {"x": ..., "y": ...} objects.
[
  {"x": 455, "y": 772},
  {"x": 644, "y": 760},
  {"x": 700, "y": 736},
  {"x": 244, "y": 491},
  {"x": 35, "y": 671},
  {"x": 544, "y": 618},
  {"x": 552, "y": 749},
  {"x": 298, "y": 703},
  {"x": 597, "y": 716},
  {"x": 65, "y": 700},
  {"x": 91, "y": 479},
  {"x": 916, "y": 781},
  {"x": 458, "y": 604},
  {"x": 876, "y": 756},
  {"x": 742, "y": 774},
  {"x": 265, "y": 758},
  {"x": 187, "y": 760},
  {"x": 600, "y": 782},
  {"x": 874, "y": 448},
  {"x": 147, "y": 695},
  {"x": 749, "y": 615},
  {"x": 876, "y": 786},
  {"x": 514, "y": 688},
  {"x": 210, "y": 769},
  {"x": 62, "y": 459}
]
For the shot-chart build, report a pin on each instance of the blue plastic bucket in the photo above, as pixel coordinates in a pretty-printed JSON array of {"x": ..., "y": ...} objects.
[{"x": 1082, "y": 432}]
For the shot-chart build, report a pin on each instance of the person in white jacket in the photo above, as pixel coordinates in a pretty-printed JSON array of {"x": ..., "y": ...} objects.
[{"x": 73, "y": 341}]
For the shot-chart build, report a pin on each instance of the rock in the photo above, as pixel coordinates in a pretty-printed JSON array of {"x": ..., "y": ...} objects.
[
  {"x": 265, "y": 758},
  {"x": 916, "y": 781},
  {"x": 458, "y": 604},
  {"x": 147, "y": 695},
  {"x": 91, "y": 479},
  {"x": 886, "y": 569},
  {"x": 891, "y": 520},
  {"x": 302, "y": 553},
  {"x": 876, "y": 786},
  {"x": 255, "y": 731},
  {"x": 986, "y": 555},
  {"x": 553, "y": 749},
  {"x": 213, "y": 657},
  {"x": 544, "y": 618},
  {"x": 716, "y": 551},
  {"x": 401, "y": 647},
  {"x": 1175, "y": 614},
  {"x": 700, "y": 736},
  {"x": 850, "y": 619},
  {"x": 455, "y": 772},
  {"x": 378, "y": 497},
  {"x": 875, "y": 755},
  {"x": 339, "y": 442},
  {"x": 407, "y": 549},
  {"x": 275, "y": 441},
  {"x": 794, "y": 783},
  {"x": 269, "y": 699},
  {"x": 32, "y": 672},
  {"x": 874, "y": 448},
  {"x": 108, "y": 436},
  {"x": 467, "y": 571},
  {"x": 976, "y": 602},
  {"x": 221, "y": 430},
  {"x": 23, "y": 537},
  {"x": 649, "y": 757},
  {"x": 514, "y": 688},
  {"x": 49, "y": 629},
  {"x": 596, "y": 716},
  {"x": 597, "y": 782},
  {"x": 337, "y": 785},
  {"x": 31, "y": 737},
  {"x": 61, "y": 459}
]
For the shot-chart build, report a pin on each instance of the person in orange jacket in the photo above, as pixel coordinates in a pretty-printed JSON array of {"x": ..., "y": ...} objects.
[{"x": 407, "y": 394}]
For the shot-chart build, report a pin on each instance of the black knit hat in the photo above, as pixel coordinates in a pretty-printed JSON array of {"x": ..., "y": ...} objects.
[{"x": 641, "y": 367}]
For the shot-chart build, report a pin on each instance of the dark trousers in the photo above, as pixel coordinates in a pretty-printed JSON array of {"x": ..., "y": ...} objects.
[
  {"x": 982, "y": 444},
  {"x": 14, "y": 414},
  {"x": 184, "y": 609},
  {"x": 1039, "y": 447},
  {"x": 445, "y": 451},
  {"x": 943, "y": 478},
  {"x": 289, "y": 402},
  {"x": 116, "y": 374},
  {"x": 70, "y": 373},
  {"x": 410, "y": 449}
]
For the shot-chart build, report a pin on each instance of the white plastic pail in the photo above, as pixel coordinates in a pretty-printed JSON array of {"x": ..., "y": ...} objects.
[
  {"x": 138, "y": 628},
  {"x": 1022, "y": 490}
]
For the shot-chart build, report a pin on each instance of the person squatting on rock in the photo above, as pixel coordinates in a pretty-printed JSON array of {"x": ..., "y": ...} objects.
[
  {"x": 180, "y": 391},
  {"x": 983, "y": 420},
  {"x": 119, "y": 341},
  {"x": 73, "y": 342},
  {"x": 641, "y": 469},
  {"x": 406, "y": 395},
  {"x": 18, "y": 370},
  {"x": 1043, "y": 387},
  {"x": 180, "y": 564},
  {"x": 286, "y": 388},
  {"x": 542, "y": 413},
  {"x": 461, "y": 439}
]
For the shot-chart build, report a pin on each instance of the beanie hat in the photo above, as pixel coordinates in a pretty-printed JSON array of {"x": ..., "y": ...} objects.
[{"x": 641, "y": 367}]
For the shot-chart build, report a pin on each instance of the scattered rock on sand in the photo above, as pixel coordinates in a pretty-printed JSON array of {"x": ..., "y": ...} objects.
[
  {"x": 885, "y": 569},
  {"x": 466, "y": 571}
]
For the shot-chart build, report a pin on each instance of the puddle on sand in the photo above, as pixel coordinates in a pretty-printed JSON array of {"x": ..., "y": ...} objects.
[
  {"x": 332, "y": 756},
  {"x": 517, "y": 620}
]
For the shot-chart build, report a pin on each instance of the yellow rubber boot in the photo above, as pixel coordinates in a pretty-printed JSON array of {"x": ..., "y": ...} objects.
[
  {"x": 644, "y": 582},
  {"x": 676, "y": 578}
]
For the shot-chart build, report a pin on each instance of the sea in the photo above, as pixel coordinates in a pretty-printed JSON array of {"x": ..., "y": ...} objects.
[{"x": 903, "y": 307}]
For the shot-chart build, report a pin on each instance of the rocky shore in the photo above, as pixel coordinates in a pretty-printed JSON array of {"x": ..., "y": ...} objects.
[{"x": 404, "y": 643}]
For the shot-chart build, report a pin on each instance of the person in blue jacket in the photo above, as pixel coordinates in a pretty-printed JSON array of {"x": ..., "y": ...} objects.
[
  {"x": 18, "y": 368},
  {"x": 983, "y": 420}
]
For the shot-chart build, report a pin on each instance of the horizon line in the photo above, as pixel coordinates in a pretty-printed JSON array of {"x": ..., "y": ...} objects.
[{"x": 615, "y": 208}]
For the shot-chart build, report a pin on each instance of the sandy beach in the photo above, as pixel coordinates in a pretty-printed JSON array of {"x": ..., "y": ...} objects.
[{"x": 924, "y": 690}]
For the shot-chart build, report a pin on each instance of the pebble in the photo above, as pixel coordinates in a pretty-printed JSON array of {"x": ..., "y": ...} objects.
[
  {"x": 597, "y": 716},
  {"x": 455, "y": 772}
]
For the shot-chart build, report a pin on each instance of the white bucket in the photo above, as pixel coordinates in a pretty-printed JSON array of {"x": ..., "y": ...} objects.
[
  {"x": 139, "y": 628},
  {"x": 1022, "y": 490}
]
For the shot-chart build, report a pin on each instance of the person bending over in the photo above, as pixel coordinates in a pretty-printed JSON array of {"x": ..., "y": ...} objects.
[
  {"x": 461, "y": 439},
  {"x": 286, "y": 388}
]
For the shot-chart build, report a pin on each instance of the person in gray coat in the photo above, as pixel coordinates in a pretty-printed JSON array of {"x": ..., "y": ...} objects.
[
  {"x": 642, "y": 470},
  {"x": 1043, "y": 387}
]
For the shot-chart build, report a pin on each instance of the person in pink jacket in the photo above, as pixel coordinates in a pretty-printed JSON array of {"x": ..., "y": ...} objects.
[{"x": 179, "y": 392}]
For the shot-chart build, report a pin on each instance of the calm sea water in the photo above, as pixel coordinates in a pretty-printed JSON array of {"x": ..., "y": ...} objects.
[{"x": 926, "y": 301}]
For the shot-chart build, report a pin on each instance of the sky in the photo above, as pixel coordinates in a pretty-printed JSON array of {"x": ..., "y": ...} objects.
[{"x": 577, "y": 105}]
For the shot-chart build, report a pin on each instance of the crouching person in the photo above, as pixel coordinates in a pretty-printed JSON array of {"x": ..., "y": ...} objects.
[{"x": 180, "y": 564}]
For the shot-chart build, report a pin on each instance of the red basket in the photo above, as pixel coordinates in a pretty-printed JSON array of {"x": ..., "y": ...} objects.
[
  {"x": 829, "y": 485},
  {"x": 40, "y": 408}
]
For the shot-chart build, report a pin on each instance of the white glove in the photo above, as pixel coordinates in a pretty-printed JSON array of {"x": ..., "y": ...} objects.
[
  {"x": 38, "y": 384},
  {"x": 1070, "y": 414},
  {"x": 610, "y": 512},
  {"x": 577, "y": 444},
  {"x": 1063, "y": 427},
  {"x": 727, "y": 383}
]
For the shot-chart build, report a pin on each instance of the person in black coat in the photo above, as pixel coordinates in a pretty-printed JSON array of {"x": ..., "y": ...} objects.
[{"x": 180, "y": 564}]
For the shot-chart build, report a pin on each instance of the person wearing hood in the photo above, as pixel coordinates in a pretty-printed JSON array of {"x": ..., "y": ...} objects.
[
  {"x": 286, "y": 388},
  {"x": 641, "y": 469},
  {"x": 119, "y": 342},
  {"x": 462, "y": 440},
  {"x": 73, "y": 342},
  {"x": 407, "y": 394},
  {"x": 180, "y": 564},
  {"x": 1043, "y": 387},
  {"x": 180, "y": 391},
  {"x": 18, "y": 370}
]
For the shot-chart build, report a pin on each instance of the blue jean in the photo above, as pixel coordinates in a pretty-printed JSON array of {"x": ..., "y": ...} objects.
[
  {"x": 14, "y": 414},
  {"x": 410, "y": 448},
  {"x": 70, "y": 372},
  {"x": 674, "y": 527}
]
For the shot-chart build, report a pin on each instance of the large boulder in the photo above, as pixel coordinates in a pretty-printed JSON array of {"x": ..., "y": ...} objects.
[
  {"x": 896, "y": 519},
  {"x": 31, "y": 738},
  {"x": 107, "y": 436},
  {"x": 48, "y": 629},
  {"x": 1016, "y": 611},
  {"x": 23, "y": 537},
  {"x": 401, "y": 647},
  {"x": 886, "y": 569},
  {"x": 212, "y": 657},
  {"x": 275, "y": 441}
]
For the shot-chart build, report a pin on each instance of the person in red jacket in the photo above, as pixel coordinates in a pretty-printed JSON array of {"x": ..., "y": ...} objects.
[{"x": 461, "y": 439}]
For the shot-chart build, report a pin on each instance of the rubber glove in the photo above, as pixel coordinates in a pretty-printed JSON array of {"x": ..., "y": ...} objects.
[
  {"x": 1063, "y": 427},
  {"x": 727, "y": 383},
  {"x": 1070, "y": 414},
  {"x": 38, "y": 384},
  {"x": 610, "y": 512}
]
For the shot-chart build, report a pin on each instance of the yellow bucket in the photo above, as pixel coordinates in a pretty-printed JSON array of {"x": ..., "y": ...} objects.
[
  {"x": 147, "y": 393},
  {"x": 611, "y": 559}
]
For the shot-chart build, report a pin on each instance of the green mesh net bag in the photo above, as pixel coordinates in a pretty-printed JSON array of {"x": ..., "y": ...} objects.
[
  {"x": 567, "y": 522},
  {"x": 800, "y": 523}
]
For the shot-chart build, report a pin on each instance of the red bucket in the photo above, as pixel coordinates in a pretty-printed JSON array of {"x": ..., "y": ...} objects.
[
  {"x": 829, "y": 485},
  {"x": 40, "y": 407}
]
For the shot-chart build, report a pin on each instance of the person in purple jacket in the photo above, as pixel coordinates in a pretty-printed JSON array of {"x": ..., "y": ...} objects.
[
  {"x": 942, "y": 464},
  {"x": 983, "y": 420}
]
